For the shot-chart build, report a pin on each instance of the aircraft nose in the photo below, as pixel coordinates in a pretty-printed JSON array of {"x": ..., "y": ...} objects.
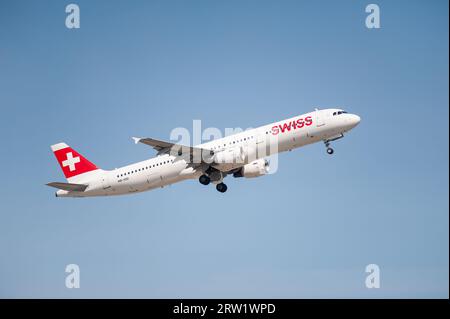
[{"x": 355, "y": 119}]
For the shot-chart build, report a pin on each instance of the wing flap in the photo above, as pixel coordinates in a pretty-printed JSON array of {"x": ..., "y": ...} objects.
[
  {"x": 156, "y": 144},
  {"x": 174, "y": 149}
]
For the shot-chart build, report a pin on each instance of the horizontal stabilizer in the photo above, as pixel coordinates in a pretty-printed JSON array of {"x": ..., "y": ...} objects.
[{"x": 68, "y": 186}]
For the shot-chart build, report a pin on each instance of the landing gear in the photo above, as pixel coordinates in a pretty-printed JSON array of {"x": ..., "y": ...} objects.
[
  {"x": 204, "y": 180},
  {"x": 327, "y": 145},
  {"x": 212, "y": 175},
  {"x": 221, "y": 187},
  {"x": 331, "y": 139}
]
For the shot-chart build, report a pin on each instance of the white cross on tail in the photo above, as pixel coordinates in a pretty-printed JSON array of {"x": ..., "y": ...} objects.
[{"x": 71, "y": 161}]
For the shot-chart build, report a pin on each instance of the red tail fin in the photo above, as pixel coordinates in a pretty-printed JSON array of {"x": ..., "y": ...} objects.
[{"x": 72, "y": 163}]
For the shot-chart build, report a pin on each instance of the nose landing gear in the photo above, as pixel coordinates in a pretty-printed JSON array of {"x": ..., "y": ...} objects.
[
  {"x": 327, "y": 142},
  {"x": 327, "y": 145}
]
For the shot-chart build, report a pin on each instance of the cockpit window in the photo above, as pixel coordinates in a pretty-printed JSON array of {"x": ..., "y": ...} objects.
[{"x": 339, "y": 113}]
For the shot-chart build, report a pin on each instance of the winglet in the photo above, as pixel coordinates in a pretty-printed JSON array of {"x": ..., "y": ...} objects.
[{"x": 136, "y": 139}]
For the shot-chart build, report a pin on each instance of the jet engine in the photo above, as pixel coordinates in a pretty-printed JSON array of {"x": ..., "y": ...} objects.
[{"x": 254, "y": 169}]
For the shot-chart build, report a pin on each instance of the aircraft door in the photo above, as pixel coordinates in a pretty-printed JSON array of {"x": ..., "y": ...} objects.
[
  {"x": 318, "y": 123},
  {"x": 260, "y": 138},
  {"x": 106, "y": 183},
  {"x": 262, "y": 145}
]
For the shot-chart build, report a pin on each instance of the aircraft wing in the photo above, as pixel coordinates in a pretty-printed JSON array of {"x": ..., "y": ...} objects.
[
  {"x": 174, "y": 149},
  {"x": 68, "y": 186}
]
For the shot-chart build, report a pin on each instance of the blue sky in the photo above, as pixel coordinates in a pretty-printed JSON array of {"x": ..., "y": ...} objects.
[{"x": 142, "y": 68}]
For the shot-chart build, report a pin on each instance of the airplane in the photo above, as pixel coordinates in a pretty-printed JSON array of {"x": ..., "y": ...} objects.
[{"x": 241, "y": 155}]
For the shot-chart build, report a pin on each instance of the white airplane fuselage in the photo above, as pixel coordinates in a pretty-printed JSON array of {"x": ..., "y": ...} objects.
[{"x": 165, "y": 169}]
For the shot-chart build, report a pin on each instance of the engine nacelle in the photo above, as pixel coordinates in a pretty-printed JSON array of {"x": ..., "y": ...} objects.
[
  {"x": 230, "y": 156},
  {"x": 254, "y": 169}
]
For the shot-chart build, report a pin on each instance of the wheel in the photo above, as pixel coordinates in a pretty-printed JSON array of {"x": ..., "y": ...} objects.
[
  {"x": 221, "y": 187},
  {"x": 330, "y": 150},
  {"x": 204, "y": 180}
]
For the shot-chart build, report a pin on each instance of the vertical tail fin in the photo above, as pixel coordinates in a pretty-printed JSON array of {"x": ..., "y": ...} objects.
[{"x": 72, "y": 163}]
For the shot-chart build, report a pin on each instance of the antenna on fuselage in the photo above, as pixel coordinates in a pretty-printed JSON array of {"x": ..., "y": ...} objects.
[{"x": 316, "y": 109}]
